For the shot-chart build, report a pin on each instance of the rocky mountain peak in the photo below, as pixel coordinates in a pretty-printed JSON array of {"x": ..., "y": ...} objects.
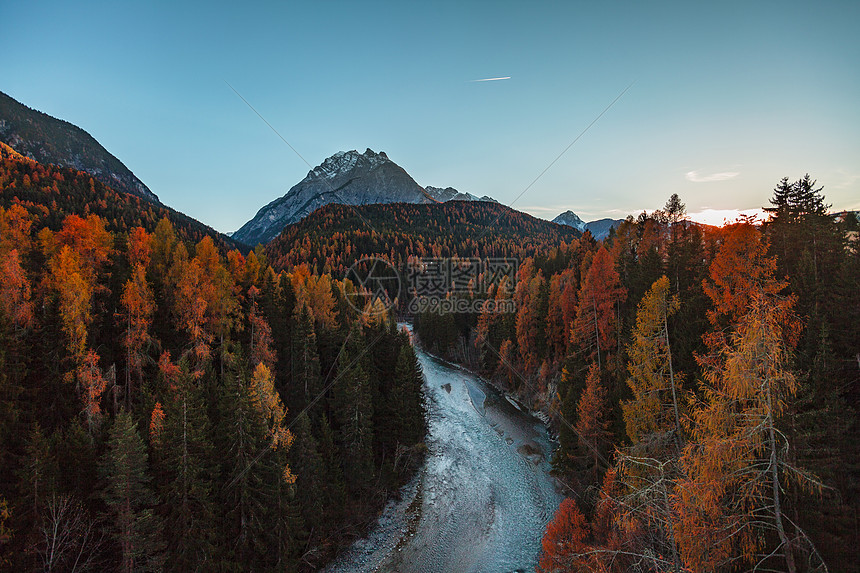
[
  {"x": 570, "y": 219},
  {"x": 344, "y": 162},
  {"x": 346, "y": 178}
]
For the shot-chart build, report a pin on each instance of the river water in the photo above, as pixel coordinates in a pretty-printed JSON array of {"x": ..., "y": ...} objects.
[{"x": 483, "y": 497}]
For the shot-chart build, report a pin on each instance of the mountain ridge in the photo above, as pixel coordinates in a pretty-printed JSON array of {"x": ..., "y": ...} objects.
[
  {"x": 347, "y": 178},
  {"x": 398, "y": 231},
  {"x": 51, "y": 192},
  {"x": 50, "y": 140}
]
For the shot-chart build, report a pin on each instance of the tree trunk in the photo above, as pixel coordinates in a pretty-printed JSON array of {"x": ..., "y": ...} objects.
[{"x": 774, "y": 468}]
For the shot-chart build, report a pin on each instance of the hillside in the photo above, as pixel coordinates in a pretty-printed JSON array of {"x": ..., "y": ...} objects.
[
  {"x": 50, "y": 140},
  {"x": 51, "y": 193},
  {"x": 335, "y": 236}
]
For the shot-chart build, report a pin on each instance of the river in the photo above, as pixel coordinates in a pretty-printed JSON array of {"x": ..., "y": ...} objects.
[{"x": 483, "y": 497}]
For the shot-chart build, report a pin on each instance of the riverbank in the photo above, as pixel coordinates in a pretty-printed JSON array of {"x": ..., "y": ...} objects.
[{"x": 481, "y": 500}]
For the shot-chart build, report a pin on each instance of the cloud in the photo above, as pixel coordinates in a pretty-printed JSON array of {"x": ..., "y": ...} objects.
[
  {"x": 695, "y": 177},
  {"x": 491, "y": 79},
  {"x": 848, "y": 180}
]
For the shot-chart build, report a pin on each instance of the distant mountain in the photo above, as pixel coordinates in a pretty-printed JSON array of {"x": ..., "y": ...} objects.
[
  {"x": 599, "y": 229},
  {"x": 347, "y": 178},
  {"x": 50, "y": 140},
  {"x": 451, "y": 194},
  {"x": 570, "y": 219},
  {"x": 397, "y": 231}
]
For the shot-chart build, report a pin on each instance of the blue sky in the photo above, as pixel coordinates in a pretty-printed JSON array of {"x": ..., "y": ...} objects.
[{"x": 728, "y": 97}]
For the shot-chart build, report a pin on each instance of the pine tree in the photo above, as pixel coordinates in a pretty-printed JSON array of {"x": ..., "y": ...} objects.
[
  {"x": 129, "y": 499},
  {"x": 335, "y": 482},
  {"x": 184, "y": 458},
  {"x": 305, "y": 379},
  {"x": 353, "y": 409},
  {"x": 309, "y": 466}
]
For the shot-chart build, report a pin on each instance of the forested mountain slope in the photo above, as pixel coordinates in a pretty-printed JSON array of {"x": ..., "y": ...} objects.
[
  {"x": 335, "y": 236},
  {"x": 50, "y": 140},
  {"x": 50, "y": 193}
]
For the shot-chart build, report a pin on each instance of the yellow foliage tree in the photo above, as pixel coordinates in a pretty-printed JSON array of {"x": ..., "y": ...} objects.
[{"x": 268, "y": 404}]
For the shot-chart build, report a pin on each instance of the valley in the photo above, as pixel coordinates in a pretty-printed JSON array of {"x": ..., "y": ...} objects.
[{"x": 481, "y": 500}]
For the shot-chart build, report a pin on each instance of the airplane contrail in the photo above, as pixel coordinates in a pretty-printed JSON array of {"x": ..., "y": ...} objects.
[{"x": 492, "y": 79}]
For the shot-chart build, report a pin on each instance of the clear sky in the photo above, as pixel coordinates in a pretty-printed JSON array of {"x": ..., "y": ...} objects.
[{"x": 728, "y": 97}]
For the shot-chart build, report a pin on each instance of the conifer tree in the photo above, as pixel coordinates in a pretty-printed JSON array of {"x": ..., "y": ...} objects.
[
  {"x": 353, "y": 409},
  {"x": 184, "y": 465},
  {"x": 129, "y": 498},
  {"x": 309, "y": 467},
  {"x": 653, "y": 413},
  {"x": 732, "y": 499}
]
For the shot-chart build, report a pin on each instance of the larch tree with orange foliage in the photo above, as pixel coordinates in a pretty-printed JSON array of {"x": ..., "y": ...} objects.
[
  {"x": 139, "y": 247},
  {"x": 139, "y": 305},
  {"x": 192, "y": 296},
  {"x": 15, "y": 305},
  {"x": 592, "y": 422},
  {"x": 596, "y": 325},
  {"x": 267, "y": 402},
  {"x": 15, "y": 228},
  {"x": 739, "y": 464},
  {"x": 649, "y": 468},
  {"x": 564, "y": 544},
  {"x": 740, "y": 270},
  {"x": 89, "y": 239},
  {"x": 530, "y": 324},
  {"x": 261, "y": 342},
  {"x": 561, "y": 311},
  {"x": 93, "y": 384}
]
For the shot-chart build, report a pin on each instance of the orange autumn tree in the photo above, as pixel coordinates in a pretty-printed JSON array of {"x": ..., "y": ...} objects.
[
  {"x": 78, "y": 251},
  {"x": 15, "y": 228},
  {"x": 139, "y": 247},
  {"x": 261, "y": 350},
  {"x": 561, "y": 312},
  {"x": 530, "y": 318},
  {"x": 93, "y": 384},
  {"x": 89, "y": 239},
  {"x": 156, "y": 425},
  {"x": 740, "y": 270},
  {"x": 139, "y": 305},
  {"x": 595, "y": 327},
  {"x": 193, "y": 292},
  {"x": 565, "y": 541},
  {"x": 15, "y": 305},
  {"x": 730, "y": 502},
  {"x": 592, "y": 422},
  {"x": 317, "y": 294},
  {"x": 648, "y": 470},
  {"x": 75, "y": 299}
]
